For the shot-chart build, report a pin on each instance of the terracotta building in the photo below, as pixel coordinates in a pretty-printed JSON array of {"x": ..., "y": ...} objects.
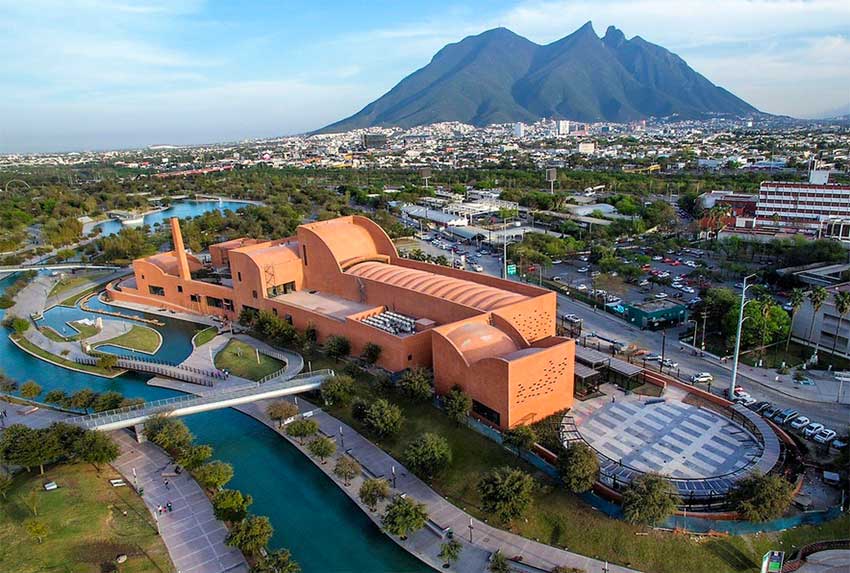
[{"x": 494, "y": 338}]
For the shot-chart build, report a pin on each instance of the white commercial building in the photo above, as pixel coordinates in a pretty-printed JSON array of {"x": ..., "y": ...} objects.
[{"x": 802, "y": 205}]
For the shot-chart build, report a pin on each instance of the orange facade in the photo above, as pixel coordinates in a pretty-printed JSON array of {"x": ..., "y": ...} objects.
[{"x": 493, "y": 338}]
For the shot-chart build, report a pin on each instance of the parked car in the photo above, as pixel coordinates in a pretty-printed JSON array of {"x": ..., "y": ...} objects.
[
  {"x": 799, "y": 422},
  {"x": 761, "y": 408},
  {"x": 702, "y": 377},
  {"x": 480, "y": 269},
  {"x": 643, "y": 283},
  {"x": 661, "y": 295},
  {"x": 786, "y": 415},
  {"x": 747, "y": 402},
  {"x": 756, "y": 406},
  {"x": 581, "y": 287},
  {"x": 770, "y": 412},
  {"x": 572, "y": 318},
  {"x": 839, "y": 444},
  {"x": 557, "y": 262},
  {"x": 582, "y": 269},
  {"x": 824, "y": 436},
  {"x": 670, "y": 364},
  {"x": 653, "y": 357},
  {"x": 557, "y": 278},
  {"x": 741, "y": 397},
  {"x": 812, "y": 429}
]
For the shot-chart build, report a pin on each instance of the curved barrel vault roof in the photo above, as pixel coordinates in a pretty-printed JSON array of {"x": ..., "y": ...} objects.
[
  {"x": 478, "y": 340},
  {"x": 461, "y": 291}
]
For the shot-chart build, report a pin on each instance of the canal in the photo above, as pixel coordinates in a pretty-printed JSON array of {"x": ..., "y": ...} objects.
[
  {"x": 324, "y": 529},
  {"x": 181, "y": 209}
]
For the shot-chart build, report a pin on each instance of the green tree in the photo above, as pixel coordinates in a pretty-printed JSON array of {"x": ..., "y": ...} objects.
[
  {"x": 499, "y": 563},
  {"x": 37, "y": 529},
  {"x": 277, "y": 561},
  {"x": 170, "y": 434},
  {"x": 337, "y": 347},
  {"x": 578, "y": 467},
  {"x": 347, "y": 469},
  {"x": 19, "y": 325},
  {"x": 798, "y": 296},
  {"x": 322, "y": 447},
  {"x": 416, "y": 384},
  {"x": 301, "y": 429},
  {"x": 281, "y": 410},
  {"x": 195, "y": 456},
  {"x": 231, "y": 505},
  {"x": 251, "y": 534},
  {"x": 521, "y": 438},
  {"x": 338, "y": 390},
  {"x": 383, "y": 418},
  {"x": 96, "y": 448},
  {"x": 505, "y": 493},
  {"x": 427, "y": 455},
  {"x": 458, "y": 405},
  {"x": 817, "y": 296},
  {"x": 404, "y": 515},
  {"x": 17, "y": 443},
  {"x": 107, "y": 361},
  {"x": 372, "y": 491},
  {"x": 214, "y": 475},
  {"x": 759, "y": 497},
  {"x": 30, "y": 389},
  {"x": 842, "y": 307},
  {"x": 371, "y": 352},
  {"x": 450, "y": 552},
  {"x": 648, "y": 500},
  {"x": 82, "y": 399},
  {"x": 55, "y": 397},
  {"x": 107, "y": 401}
]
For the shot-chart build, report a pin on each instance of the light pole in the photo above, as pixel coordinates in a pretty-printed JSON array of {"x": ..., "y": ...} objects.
[
  {"x": 663, "y": 349},
  {"x": 738, "y": 336},
  {"x": 695, "y": 331}
]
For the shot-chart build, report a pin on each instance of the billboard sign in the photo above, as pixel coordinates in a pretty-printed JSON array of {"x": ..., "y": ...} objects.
[{"x": 772, "y": 562}]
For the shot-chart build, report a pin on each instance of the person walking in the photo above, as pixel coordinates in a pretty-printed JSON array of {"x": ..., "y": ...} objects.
[
  {"x": 166, "y": 484},
  {"x": 169, "y": 506}
]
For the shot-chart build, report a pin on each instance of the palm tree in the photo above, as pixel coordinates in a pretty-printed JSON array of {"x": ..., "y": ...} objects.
[
  {"x": 817, "y": 296},
  {"x": 796, "y": 300},
  {"x": 842, "y": 306}
]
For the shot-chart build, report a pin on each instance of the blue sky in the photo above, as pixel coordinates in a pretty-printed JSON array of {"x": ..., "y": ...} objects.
[{"x": 95, "y": 74}]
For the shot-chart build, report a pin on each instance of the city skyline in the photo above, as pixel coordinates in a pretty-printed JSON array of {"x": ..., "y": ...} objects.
[{"x": 99, "y": 74}]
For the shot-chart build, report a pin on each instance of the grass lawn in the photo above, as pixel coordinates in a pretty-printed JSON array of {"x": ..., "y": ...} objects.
[
  {"x": 87, "y": 525},
  {"x": 204, "y": 336},
  {"x": 33, "y": 349},
  {"x": 83, "y": 331},
  {"x": 73, "y": 282},
  {"x": 562, "y": 519},
  {"x": 72, "y": 300},
  {"x": 141, "y": 338},
  {"x": 796, "y": 355},
  {"x": 240, "y": 359}
]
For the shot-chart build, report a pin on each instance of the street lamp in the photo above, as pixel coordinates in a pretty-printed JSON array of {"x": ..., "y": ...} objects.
[
  {"x": 744, "y": 287},
  {"x": 696, "y": 324},
  {"x": 663, "y": 349}
]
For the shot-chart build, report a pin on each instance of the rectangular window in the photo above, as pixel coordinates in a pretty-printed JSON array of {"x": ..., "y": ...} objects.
[
  {"x": 239, "y": 276},
  {"x": 214, "y": 302},
  {"x": 254, "y": 293},
  {"x": 485, "y": 412},
  {"x": 274, "y": 311},
  {"x": 179, "y": 288},
  {"x": 228, "y": 304},
  {"x": 288, "y": 318},
  {"x": 156, "y": 290},
  {"x": 195, "y": 297},
  {"x": 304, "y": 254}
]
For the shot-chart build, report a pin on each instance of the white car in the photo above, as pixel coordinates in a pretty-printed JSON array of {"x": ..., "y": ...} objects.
[
  {"x": 691, "y": 264},
  {"x": 748, "y": 402},
  {"x": 661, "y": 295},
  {"x": 581, "y": 287},
  {"x": 741, "y": 397},
  {"x": 702, "y": 377},
  {"x": 557, "y": 262},
  {"x": 812, "y": 429},
  {"x": 657, "y": 258},
  {"x": 643, "y": 283},
  {"x": 825, "y": 436},
  {"x": 799, "y": 423},
  {"x": 583, "y": 269},
  {"x": 480, "y": 269},
  {"x": 557, "y": 278},
  {"x": 670, "y": 364},
  {"x": 689, "y": 290},
  {"x": 583, "y": 258},
  {"x": 656, "y": 357}
]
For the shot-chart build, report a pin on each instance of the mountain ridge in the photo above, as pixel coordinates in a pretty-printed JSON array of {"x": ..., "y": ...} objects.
[{"x": 499, "y": 76}]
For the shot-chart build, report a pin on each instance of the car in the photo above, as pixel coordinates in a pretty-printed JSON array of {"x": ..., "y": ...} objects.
[
  {"x": 756, "y": 406},
  {"x": 786, "y": 415},
  {"x": 595, "y": 274},
  {"x": 839, "y": 444},
  {"x": 532, "y": 268},
  {"x": 583, "y": 269},
  {"x": 747, "y": 402},
  {"x": 770, "y": 412},
  {"x": 764, "y": 407},
  {"x": 669, "y": 363},
  {"x": 572, "y": 318},
  {"x": 657, "y": 258},
  {"x": 584, "y": 258},
  {"x": 557, "y": 278},
  {"x": 661, "y": 295},
  {"x": 691, "y": 264},
  {"x": 799, "y": 422},
  {"x": 824, "y": 436},
  {"x": 667, "y": 260},
  {"x": 688, "y": 290},
  {"x": 557, "y": 262},
  {"x": 653, "y": 357},
  {"x": 581, "y": 287},
  {"x": 741, "y": 397},
  {"x": 805, "y": 382},
  {"x": 480, "y": 269},
  {"x": 676, "y": 263},
  {"x": 702, "y": 377},
  {"x": 812, "y": 429},
  {"x": 788, "y": 307},
  {"x": 643, "y": 283}
]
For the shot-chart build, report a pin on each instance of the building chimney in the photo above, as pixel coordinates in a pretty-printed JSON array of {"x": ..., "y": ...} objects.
[{"x": 179, "y": 250}]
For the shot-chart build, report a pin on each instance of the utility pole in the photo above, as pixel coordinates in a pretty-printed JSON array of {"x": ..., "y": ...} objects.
[
  {"x": 738, "y": 336},
  {"x": 505, "y": 250}
]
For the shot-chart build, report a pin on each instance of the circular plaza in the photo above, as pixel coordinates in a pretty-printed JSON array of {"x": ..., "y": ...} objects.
[{"x": 701, "y": 451}]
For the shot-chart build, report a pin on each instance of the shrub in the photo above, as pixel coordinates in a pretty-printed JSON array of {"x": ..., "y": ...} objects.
[
  {"x": 457, "y": 405},
  {"x": 416, "y": 384},
  {"x": 383, "y": 418},
  {"x": 338, "y": 390},
  {"x": 648, "y": 500},
  {"x": 231, "y": 505},
  {"x": 506, "y": 493},
  {"x": 30, "y": 389},
  {"x": 759, "y": 497},
  {"x": 214, "y": 475},
  {"x": 337, "y": 347},
  {"x": 403, "y": 516},
  {"x": 578, "y": 467},
  {"x": 371, "y": 352},
  {"x": 427, "y": 455}
]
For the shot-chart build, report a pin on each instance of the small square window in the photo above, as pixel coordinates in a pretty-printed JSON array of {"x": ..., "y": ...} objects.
[
  {"x": 179, "y": 288},
  {"x": 409, "y": 357},
  {"x": 253, "y": 292}
]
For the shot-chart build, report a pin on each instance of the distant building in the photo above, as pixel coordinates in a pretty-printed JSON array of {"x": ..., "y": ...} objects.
[
  {"x": 519, "y": 130},
  {"x": 656, "y": 313},
  {"x": 586, "y": 147},
  {"x": 562, "y": 127},
  {"x": 802, "y": 205},
  {"x": 373, "y": 140},
  {"x": 823, "y": 331}
]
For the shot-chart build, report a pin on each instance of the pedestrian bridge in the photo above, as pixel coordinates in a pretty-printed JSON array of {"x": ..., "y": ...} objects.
[
  {"x": 56, "y": 267},
  {"x": 191, "y": 404}
]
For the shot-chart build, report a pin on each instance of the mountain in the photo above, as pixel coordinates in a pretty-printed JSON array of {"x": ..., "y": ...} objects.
[{"x": 499, "y": 76}]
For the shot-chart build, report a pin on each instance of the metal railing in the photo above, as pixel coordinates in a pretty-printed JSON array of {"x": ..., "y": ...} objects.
[
  {"x": 166, "y": 405},
  {"x": 180, "y": 372}
]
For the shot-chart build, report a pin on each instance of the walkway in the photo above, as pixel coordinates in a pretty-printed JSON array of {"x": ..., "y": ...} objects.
[
  {"x": 832, "y": 561},
  {"x": 193, "y": 536}
]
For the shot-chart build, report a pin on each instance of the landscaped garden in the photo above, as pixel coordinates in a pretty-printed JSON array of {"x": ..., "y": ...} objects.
[
  {"x": 241, "y": 360},
  {"x": 72, "y": 282},
  {"x": 81, "y": 332},
  {"x": 204, "y": 336},
  {"x": 140, "y": 338},
  {"x": 82, "y": 526}
]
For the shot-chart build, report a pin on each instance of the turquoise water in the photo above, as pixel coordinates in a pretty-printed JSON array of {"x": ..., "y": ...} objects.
[
  {"x": 181, "y": 209},
  {"x": 324, "y": 529}
]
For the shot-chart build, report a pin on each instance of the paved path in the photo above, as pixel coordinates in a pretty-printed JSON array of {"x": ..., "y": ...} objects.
[
  {"x": 832, "y": 561},
  {"x": 193, "y": 536}
]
